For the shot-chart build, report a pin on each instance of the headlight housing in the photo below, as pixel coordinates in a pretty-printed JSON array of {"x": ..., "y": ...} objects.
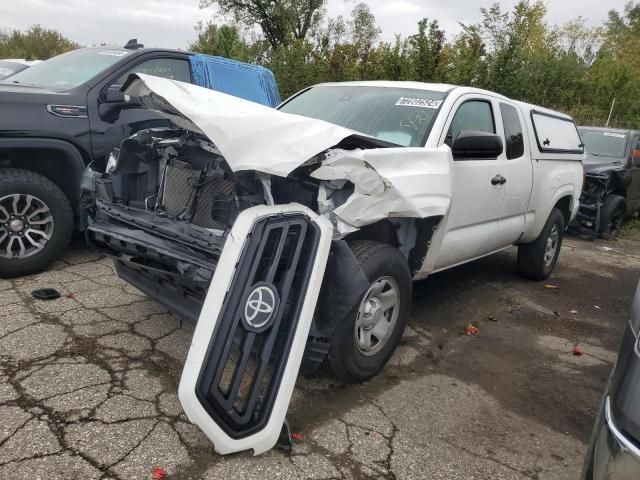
[{"x": 112, "y": 162}]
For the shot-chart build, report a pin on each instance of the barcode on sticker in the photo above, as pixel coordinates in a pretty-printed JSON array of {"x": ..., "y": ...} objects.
[
  {"x": 113, "y": 53},
  {"x": 418, "y": 102},
  {"x": 611, "y": 134}
]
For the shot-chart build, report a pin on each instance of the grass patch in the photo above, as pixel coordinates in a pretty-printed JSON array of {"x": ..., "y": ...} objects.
[{"x": 631, "y": 227}]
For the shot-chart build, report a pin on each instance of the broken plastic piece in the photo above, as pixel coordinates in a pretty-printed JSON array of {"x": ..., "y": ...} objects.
[
  {"x": 297, "y": 436},
  {"x": 577, "y": 351},
  {"x": 45, "y": 294},
  {"x": 551, "y": 286},
  {"x": 573, "y": 311}
]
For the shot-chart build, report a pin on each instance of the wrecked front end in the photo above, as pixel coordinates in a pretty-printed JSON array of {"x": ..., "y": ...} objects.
[
  {"x": 250, "y": 238},
  {"x": 599, "y": 183},
  {"x": 166, "y": 205}
]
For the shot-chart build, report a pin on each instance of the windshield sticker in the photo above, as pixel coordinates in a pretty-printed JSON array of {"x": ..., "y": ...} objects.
[
  {"x": 418, "y": 102},
  {"x": 113, "y": 53},
  {"x": 611, "y": 134}
]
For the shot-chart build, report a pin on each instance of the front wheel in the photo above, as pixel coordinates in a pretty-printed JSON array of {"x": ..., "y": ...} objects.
[
  {"x": 612, "y": 216},
  {"x": 36, "y": 222},
  {"x": 362, "y": 344},
  {"x": 537, "y": 259}
]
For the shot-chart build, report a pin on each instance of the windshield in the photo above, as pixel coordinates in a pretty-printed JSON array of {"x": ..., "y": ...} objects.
[
  {"x": 604, "y": 144},
  {"x": 69, "y": 70},
  {"x": 9, "y": 68},
  {"x": 398, "y": 115}
]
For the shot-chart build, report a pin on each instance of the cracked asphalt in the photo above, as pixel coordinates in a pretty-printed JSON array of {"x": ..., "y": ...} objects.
[{"x": 88, "y": 382}]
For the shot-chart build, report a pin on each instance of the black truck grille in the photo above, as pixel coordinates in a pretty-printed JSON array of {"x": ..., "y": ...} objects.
[{"x": 245, "y": 361}]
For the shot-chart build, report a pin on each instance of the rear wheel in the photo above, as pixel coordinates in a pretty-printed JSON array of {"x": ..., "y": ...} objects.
[
  {"x": 36, "y": 222},
  {"x": 612, "y": 216},
  {"x": 537, "y": 259},
  {"x": 363, "y": 343}
]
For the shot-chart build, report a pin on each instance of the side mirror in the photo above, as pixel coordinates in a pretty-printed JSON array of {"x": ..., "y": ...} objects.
[
  {"x": 132, "y": 102},
  {"x": 477, "y": 145},
  {"x": 114, "y": 95}
]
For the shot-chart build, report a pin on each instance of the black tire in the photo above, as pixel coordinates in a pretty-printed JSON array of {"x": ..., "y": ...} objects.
[
  {"x": 345, "y": 360},
  {"x": 531, "y": 256},
  {"x": 15, "y": 181},
  {"x": 612, "y": 216}
]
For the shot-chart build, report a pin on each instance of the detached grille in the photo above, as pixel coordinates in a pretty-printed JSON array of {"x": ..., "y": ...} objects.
[{"x": 243, "y": 366}]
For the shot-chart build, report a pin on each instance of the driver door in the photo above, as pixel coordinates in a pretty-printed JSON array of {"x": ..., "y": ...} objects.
[{"x": 478, "y": 194}]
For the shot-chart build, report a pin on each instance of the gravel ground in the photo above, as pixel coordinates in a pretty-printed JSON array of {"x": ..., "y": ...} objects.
[{"x": 88, "y": 382}]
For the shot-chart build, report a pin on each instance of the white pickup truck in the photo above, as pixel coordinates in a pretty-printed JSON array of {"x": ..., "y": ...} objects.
[{"x": 293, "y": 234}]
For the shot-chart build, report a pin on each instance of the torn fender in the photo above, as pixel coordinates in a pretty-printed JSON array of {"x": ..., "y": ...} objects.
[
  {"x": 390, "y": 182},
  {"x": 249, "y": 135}
]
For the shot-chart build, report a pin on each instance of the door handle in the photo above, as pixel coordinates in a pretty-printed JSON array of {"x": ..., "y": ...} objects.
[{"x": 498, "y": 180}]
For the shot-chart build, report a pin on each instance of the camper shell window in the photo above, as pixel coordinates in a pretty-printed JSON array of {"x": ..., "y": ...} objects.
[{"x": 555, "y": 134}]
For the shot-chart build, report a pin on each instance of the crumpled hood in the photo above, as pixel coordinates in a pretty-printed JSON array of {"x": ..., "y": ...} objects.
[
  {"x": 595, "y": 164},
  {"x": 391, "y": 182},
  {"x": 250, "y": 136}
]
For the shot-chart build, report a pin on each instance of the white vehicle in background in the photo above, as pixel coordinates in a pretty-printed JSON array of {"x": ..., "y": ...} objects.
[
  {"x": 294, "y": 234},
  {"x": 10, "y": 66}
]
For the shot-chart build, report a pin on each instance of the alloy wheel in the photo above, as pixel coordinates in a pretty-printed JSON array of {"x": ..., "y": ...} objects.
[{"x": 26, "y": 225}]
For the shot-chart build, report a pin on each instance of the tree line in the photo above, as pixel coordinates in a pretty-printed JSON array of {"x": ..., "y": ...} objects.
[{"x": 573, "y": 67}]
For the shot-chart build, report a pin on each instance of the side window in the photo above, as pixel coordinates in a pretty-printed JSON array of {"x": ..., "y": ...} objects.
[
  {"x": 473, "y": 115},
  {"x": 512, "y": 131},
  {"x": 171, "y": 68}
]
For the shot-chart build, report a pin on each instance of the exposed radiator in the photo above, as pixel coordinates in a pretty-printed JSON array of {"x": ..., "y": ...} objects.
[
  {"x": 210, "y": 201},
  {"x": 178, "y": 194}
]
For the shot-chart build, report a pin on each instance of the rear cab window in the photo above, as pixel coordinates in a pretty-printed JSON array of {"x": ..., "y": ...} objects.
[
  {"x": 514, "y": 138},
  {"x": 555, "y": 133}
]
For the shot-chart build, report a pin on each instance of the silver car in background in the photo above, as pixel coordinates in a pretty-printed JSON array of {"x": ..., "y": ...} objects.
[
  {"x": 11, "y": 66},
  {"x": 614, "y": 450}
]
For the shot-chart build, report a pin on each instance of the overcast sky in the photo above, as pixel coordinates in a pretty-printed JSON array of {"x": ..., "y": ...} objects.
[{"x": 170, "y": 23}]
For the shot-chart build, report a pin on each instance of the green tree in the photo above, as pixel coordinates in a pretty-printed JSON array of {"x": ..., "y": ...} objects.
[
  {"x": 221, "y": 40},
  {"x": 281, "y": 21},
  {"x": 36, "y": 43},
  {"x": 516, "y": 52},
  {"x": 426, "y": 51},
  {"x": 466, "y": 58}
]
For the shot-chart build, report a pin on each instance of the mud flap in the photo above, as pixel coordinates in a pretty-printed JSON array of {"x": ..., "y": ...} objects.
[{"x": 248, "y": 344}]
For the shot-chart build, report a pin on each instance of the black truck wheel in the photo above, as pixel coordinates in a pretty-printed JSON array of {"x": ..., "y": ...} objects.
[
  {"x": 537, "y": 259},
  {"x": 36, "y": 222},
  {"x": 362, "y": 344},
  {"x": 612, "y": 216}
]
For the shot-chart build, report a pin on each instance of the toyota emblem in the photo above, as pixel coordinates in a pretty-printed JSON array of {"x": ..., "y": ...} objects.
[{"x": 260, "y": 306}]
